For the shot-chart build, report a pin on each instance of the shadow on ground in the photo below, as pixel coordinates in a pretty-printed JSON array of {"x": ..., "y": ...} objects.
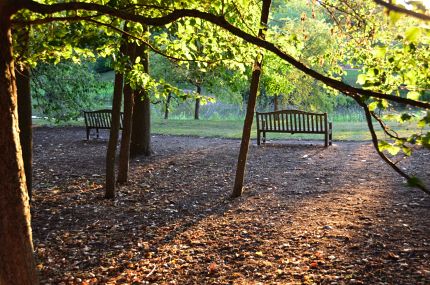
[{"x": 308, "y": 215}]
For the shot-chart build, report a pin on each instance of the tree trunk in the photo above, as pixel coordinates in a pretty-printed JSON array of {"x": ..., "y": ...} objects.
[
  {"x": 17, "y": 264},
  {"x": 275, "y": 103},
  {"x": 25, "y": 123},
  {"x": 113, "y": 136},
  {"x": 124, "y": 153},
  {"x": 167, "y": 106},
  {"x": 197, "y": 107},
  {"x": 22, "y": 73},
  {"x": 141, "y": 132},
  {"x": 246, "y": 134}
]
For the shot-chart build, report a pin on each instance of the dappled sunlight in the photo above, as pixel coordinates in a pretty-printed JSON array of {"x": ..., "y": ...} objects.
[{"x": 309, "y": 214}]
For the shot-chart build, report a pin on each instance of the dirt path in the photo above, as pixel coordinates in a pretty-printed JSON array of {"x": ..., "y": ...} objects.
[{"x": 309, "y": 215}]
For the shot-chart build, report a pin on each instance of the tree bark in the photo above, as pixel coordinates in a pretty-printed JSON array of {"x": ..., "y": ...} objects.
[
  {"x": 276, "y": 103},
  {"x": 124, "y": 153},
  {"x": 197, "y": 106},
  {"x": 141, "y": 132},
  {"x": 113, "y": 136},
  {"x": 167, "y": 106},
  {"x": 17, "y": 264},
  {"x": 246, "y": 134},
  {"x": 25, "y": 123}
]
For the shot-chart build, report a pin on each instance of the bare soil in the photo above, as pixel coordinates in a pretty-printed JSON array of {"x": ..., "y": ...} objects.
[{"x": 308, "y": 215}]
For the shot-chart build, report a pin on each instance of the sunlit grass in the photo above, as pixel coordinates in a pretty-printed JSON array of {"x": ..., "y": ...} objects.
[
  {"x": 350, "y": 130},
  {"x": 233, "y": 129}
]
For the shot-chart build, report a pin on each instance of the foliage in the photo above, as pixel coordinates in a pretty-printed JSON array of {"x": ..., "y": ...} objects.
[
  {"x": 395, "y": 61},
  {"x": 62, "y": 91},
  {"x": 302, "y": 29}
]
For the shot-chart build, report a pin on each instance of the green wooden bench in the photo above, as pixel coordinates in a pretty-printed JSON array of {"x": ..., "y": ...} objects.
[
  {"x": 293, "y": 121},
  {"x": 100, "y": 119}
]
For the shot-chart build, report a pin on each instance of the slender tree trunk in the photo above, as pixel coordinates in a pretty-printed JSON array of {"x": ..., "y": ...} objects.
[
  {"x": 17, "y": 264},
  {"x": 124, "y": 153},
  {"x": 141, "y": 132},
  {"x": 197, "y": 106},
  {"x": 167, "y": 106},
  {"x": 275, "y": 103},
  {"x": 246, "y": 134},
  {"x": 113, "y": 136}
]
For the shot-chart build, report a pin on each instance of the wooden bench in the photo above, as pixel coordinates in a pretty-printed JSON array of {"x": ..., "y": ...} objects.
[
  {"x": 293, "y": 121},
  {"x": 100, "y": 119}
]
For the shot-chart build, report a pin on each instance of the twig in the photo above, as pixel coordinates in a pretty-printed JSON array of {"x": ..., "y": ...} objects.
[
  {"x": 387, "y": 130},
  {"x": 152, "y": 271}
]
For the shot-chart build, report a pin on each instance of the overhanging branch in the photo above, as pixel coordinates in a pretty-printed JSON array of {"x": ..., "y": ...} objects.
[
  {"x": 380, "y": 153},
  {"x": 223, "y": 23},
  {"x": 396, "y": 8}
]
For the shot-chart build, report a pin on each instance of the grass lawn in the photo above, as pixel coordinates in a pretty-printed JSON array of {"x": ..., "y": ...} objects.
[
  {"x": 355, "y": 131},
  {"x": 233, "y": 129}
]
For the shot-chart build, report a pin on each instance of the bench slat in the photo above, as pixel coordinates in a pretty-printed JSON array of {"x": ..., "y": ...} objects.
[
  {"x": 312, "y": 122},
  {"x": 283, "y": 121}
]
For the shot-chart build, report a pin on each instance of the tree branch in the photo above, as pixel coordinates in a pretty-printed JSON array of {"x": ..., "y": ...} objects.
[
  {"x": 381, "y": 154},
  {"x": 387, "y": 130},
  {"x": 52, "y": 19},
  {"x": 392, "y": 7}
]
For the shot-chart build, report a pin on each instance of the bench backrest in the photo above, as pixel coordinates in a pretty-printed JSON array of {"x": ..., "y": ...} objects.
[
  {"x": 101, "y": 119},
  {"x": 292, "y": 121}
]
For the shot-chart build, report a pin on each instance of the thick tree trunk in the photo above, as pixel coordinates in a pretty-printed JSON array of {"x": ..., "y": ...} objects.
[
  {"x": 124, "y": 153},
  {"x": 113, "y": 136},
  {"x": 167, "y": 106},
  {"x": 246, "y": 134},
  {"x": 276, "y": 103},
  {"x": 197, "y": 106},
  {"x": 25, "y": 123},
  {"x": 141, "y": 132},
  {"x": 17, "y": 264}
]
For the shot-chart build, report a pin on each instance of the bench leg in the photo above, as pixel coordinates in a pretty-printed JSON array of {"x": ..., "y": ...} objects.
[
  {"x": 258, "y": 138},
  {"x": 264, "y": 137},
  {"x": 326, "y": 138},
  {"x": 88, "y": 134},
  {"x": 330, "y": 135},
  {"x": 97, "y": 130}
]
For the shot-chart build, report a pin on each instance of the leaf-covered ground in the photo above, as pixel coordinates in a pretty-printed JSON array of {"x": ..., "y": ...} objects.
[{"x": 309, "y": 215}]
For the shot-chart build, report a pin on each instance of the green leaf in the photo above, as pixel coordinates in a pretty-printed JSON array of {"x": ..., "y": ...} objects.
[
  {"x": 390, "y": 148},
  {"x": 361, "y": 79},
  {"x": 413, "y": 95},
  {"x": 373, "y": 106},
  {"x": 413, "y": 34},
  {"x": 383, "y": 104},
  {"x": 394, "y": 16},
  {"x": 380, "y": 51}
]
